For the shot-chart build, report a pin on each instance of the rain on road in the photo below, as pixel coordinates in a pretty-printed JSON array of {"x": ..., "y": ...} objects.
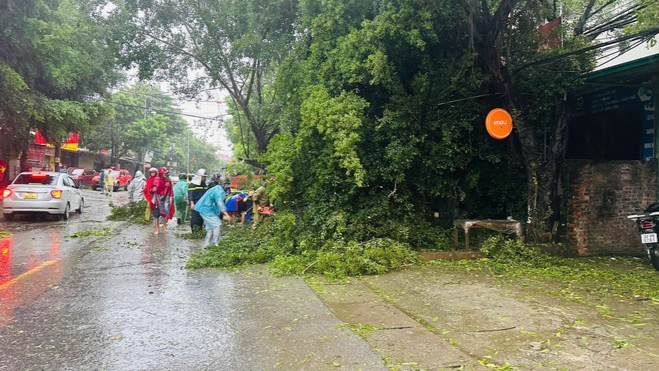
[{"x": 125, "y": 301}]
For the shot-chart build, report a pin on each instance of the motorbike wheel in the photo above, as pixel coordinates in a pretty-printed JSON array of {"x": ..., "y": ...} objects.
[{"x": 654, "y": 257}]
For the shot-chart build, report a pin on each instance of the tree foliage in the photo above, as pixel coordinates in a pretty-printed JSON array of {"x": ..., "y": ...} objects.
[
  {"x": 198, "y": 45},
  {"x": 372, "y": 111},
  {"x": 373, "y": 145},
  {"x": 141, "y": 118},
  {"x": 52, "y": 58},
  {"x": 427, "y": 74}
]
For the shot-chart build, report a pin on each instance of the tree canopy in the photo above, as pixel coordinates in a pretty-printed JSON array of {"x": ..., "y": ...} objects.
[
  {"x": 372, "y": 111},
  {"x": 141, "y": 117},
  {"x": 197, "y": 45},
  {"x": 53, "y": 58},
  {"x": 427, "y": 73}
]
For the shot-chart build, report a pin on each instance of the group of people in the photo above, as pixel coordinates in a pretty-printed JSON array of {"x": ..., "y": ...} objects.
[
  {"x": 206, "y": 201},
  {"x": 107, "y": 179}
]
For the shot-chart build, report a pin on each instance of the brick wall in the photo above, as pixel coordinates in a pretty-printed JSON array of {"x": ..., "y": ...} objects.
[{"x": 600, "y": 196}]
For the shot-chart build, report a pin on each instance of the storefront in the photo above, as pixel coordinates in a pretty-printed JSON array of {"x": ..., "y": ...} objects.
[{"x": 40, "y": 157}]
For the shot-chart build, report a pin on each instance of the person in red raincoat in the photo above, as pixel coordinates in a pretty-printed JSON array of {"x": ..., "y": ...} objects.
[{"x": 159, "y": 192}]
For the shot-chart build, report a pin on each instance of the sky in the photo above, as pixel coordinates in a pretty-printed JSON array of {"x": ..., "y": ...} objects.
[{"x": 211, "y": 106}]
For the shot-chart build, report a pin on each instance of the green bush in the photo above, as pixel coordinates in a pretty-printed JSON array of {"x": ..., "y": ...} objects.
[
  {"x": 384, "y": 221},
  {"x": 241, "y": 246},
  {"x": 504, "y": 250},
  {"x": 276, "y": 243},
  {"x": 376, "y": 256},
  {"x": 425, "y": 236},
  {"x": 132, "y": 212}
]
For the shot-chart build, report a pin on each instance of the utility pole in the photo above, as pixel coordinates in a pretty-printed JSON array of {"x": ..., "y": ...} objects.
[{"x": 188, "y": 153}]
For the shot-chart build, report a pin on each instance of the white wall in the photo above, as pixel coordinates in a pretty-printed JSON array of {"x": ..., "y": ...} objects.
[{"x": 640, "y": 51}]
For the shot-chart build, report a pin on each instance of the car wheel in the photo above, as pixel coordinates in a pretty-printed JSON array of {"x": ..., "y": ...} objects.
[
  {"x": 67, "y": 212},
  {"x": 8, "y": 217},
  {"x": 82, "y": 204},
  {"x": 127, "y": 184},
  {"x": 116, "y": 187}
]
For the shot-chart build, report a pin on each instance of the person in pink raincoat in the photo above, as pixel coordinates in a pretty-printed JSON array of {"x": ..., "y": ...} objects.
[{"x": 159, "y": 192}]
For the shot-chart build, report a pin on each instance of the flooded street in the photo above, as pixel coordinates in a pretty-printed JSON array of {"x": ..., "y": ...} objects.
[{"x": 124, "y": 301}]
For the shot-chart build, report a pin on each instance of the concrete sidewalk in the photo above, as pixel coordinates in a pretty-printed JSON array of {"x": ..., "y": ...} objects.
[
  {"x": 401, "y": 341},
  {"x": 446, "y": 317}
]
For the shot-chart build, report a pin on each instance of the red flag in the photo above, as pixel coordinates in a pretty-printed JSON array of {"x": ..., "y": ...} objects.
[
  {"x": 551, "y": 34},
  {"x": 71, "y": 142},
  {"x": 39, "y": 139}
]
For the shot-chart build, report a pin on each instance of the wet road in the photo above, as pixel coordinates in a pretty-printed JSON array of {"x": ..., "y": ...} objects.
[{"x": 124, "y": 301}]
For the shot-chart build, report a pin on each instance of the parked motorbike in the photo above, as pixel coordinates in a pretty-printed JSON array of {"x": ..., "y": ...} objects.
[{"x": 648, "y": 227}]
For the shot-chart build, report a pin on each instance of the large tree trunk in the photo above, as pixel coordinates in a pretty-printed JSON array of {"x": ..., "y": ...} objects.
[
  {"x": 543, "y": 167},
  {"x": 261, "y": 136},
  {"x": 542, "y": 170},
  {"x": 258, "y": 128}
]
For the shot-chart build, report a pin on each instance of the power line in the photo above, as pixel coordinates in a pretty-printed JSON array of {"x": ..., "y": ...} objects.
[
  {"x": 174, "y": 98},
  {"x": 639, "y": 35},
  {"x": 219, "y": 117}
]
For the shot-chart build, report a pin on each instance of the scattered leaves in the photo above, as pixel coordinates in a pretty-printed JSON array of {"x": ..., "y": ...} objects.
[
  {"x": 88, "y": 232},
  {"x": 132, "y": 212}
]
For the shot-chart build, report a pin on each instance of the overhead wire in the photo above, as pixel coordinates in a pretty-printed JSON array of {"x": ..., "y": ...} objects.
[
  {"x": 641, "y": 35},
  {"x": 618, "y": 52},
  {"x": 219, "y": 117}
]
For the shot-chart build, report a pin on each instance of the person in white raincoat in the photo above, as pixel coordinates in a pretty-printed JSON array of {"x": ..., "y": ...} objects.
[{"x": 136, "y": 187}]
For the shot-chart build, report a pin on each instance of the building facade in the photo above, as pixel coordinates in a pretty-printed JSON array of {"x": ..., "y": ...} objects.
[{"x": 611, "y": 168}]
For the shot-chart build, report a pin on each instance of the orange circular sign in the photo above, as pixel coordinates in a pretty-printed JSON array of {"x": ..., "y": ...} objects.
[{"x": 499, "y": 123}]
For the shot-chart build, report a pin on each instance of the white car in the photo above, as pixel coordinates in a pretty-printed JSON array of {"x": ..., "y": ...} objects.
[{"x": 41, "y": 192}]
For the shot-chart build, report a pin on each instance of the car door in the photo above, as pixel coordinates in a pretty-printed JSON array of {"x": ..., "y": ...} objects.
[
  {"x": 72, "y": 192},
  {"x": 89, "y": 175}
]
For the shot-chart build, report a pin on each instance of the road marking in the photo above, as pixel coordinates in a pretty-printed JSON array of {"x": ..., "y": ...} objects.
[{"x": 26, "y": 274}]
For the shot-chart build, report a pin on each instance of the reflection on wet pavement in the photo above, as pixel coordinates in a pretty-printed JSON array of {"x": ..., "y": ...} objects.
[
  {"x": 5, "y": 258},
  {"x": 22, "y": 283},
  {"x": 31, "y": 256},
  {"x": 125, "y": 301}
]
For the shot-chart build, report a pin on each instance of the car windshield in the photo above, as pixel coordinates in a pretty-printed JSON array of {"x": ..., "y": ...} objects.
[
  {"x": 37, "y": 179},
  {"x": 77, "y": 172}
]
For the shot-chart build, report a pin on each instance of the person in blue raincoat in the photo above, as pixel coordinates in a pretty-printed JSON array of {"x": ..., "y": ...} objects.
[
  {"x": 237, "y": 205},
  {"x": 209, "y": 207}
]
